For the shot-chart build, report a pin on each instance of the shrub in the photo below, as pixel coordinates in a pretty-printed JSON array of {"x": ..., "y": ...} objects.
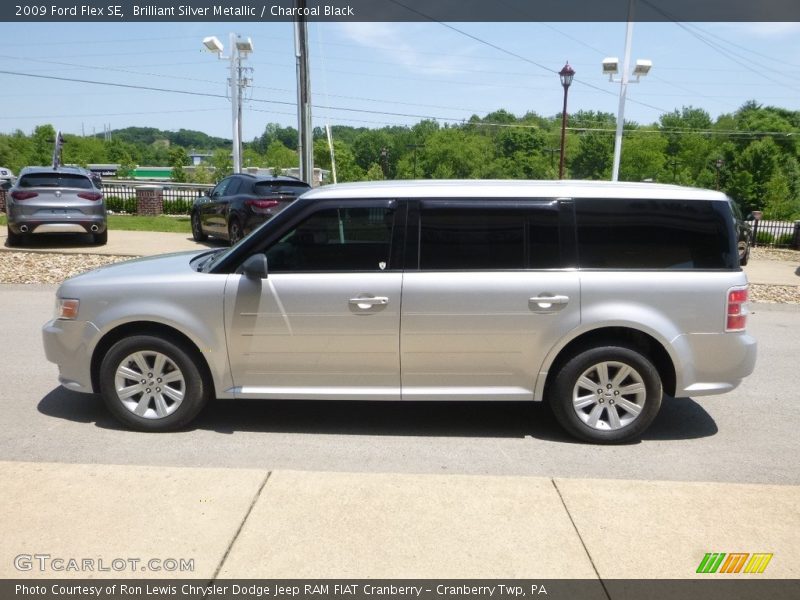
[
  {"x": 119, "y": 205},
  {"x": 786, "y": 239},
  {"x": 764, "y": 238}
]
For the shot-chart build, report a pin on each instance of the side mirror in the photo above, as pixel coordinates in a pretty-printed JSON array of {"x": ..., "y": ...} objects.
[
  {"x": 749, "y": 217},
  {"x": 255, "y": 267}
]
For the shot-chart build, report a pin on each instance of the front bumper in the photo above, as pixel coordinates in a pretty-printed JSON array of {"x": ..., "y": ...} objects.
[{"x": 69, "y": 344}]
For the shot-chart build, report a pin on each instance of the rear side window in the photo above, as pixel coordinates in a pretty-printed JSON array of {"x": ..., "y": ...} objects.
[
  {"x": 483, "y": 237},
  {"x": 654, "y": 234},
  {"x": 56, "y": 180}
]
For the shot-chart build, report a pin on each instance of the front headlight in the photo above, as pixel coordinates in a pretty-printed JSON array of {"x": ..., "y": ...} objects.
[{"x": 67, "y": 308}]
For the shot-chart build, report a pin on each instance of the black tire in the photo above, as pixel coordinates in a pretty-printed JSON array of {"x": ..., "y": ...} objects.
[
  {"x": 614, "y": 398},
  {"x": 744, "y": 259},
  {"x": 151, "y": 392},
  {"x": 100, "y": 239},
  {"x": 14, "y": 239},
  {"x": 197, "y": 228},
  {"x": 235, "y": 232}
]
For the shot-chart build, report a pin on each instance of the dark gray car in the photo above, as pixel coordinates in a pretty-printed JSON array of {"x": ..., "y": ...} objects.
[{"x": 56, "y": 200}]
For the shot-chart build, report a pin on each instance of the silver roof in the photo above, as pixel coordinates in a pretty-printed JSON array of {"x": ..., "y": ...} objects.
[{"x": 510, "y": 188}]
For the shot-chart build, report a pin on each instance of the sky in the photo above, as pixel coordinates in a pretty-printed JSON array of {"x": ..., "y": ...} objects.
[{"x": 377, "y": 74}]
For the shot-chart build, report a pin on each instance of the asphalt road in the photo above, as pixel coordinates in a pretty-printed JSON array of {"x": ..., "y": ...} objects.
[{"x": 749, "y": 435}]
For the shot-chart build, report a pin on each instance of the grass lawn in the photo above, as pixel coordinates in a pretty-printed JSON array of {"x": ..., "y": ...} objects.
[{"x": 136, "y": 223}]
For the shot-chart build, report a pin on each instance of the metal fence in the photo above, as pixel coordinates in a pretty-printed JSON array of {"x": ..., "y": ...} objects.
[
  {"x": 178, "y": 197},
  {"x": 779, "y": 234}
]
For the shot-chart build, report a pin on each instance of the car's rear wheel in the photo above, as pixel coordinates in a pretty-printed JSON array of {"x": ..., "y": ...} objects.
[
  {"x": 235, "y": 232},
  {"x": 744, "y": 253},
  {"x": 101, "y": 239},
  {"x": 608, "y": 394},
  {"x": 197, "y": 228},
  {"x": 14, "y": 239},
  {"x": 152, "y": 384}
]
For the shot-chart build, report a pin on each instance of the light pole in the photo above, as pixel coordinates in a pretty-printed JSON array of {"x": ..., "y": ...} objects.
[
  {"x": 240, "y": 49},
  {"x": 611, "y": 68},
  {"x": 566, "y": 74}
]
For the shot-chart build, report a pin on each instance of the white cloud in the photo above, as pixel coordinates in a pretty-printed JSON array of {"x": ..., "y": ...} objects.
[{"x": 390, "y": 42}]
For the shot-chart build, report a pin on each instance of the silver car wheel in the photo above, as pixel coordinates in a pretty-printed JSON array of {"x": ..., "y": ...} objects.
[
  {"x": 609, "y": 395},
  {"x": 149, "y": 384}
]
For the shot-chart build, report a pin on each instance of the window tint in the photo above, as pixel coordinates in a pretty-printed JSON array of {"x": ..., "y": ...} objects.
[
  {"x": 477, "y": 238},
  {"x": 268, "y": 188},
  {"x": 70, "y": 180},
  {"x": 653, "y": 234},
  {"x": 219, "y": 190},
  {"x": 336, "y": 239},
  {"x": 234, "y": 186}
]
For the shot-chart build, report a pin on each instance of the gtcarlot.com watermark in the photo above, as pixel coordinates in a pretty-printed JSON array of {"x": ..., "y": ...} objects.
[{"x": 46, "y": 563}]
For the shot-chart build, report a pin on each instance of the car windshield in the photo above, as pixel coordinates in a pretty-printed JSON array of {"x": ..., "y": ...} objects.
[{"x": 54, "y": 180}]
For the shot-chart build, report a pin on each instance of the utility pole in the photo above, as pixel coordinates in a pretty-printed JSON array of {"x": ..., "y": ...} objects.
[
  {"x": 236, "y": 114},
  {"x": 239, "y": 49},
  {"x": 305, "y": 146}
]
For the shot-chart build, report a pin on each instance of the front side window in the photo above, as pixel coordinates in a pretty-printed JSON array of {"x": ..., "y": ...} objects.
[
  {"x": 336, "y": 239},
  {"x": 487, "y": 238},
  {"x": 221, "y": 187}
]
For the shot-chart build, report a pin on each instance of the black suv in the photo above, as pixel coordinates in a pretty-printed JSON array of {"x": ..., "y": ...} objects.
[
  {"x": 744, "y": 233},
  {"x": 240, "y": 203}
]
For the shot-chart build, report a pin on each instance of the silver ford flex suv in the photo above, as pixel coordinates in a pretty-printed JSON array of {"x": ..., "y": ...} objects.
[{"x": 598, "y": 298}]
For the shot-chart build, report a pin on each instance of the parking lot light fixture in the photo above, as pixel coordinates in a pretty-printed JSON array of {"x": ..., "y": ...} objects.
[{"x": 240, "y": 48}]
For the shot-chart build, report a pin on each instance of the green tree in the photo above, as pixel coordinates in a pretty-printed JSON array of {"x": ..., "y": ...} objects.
[
  {"x": 374, "y": 173},
  {"x": 177, "y": 160},
  {"x": 594, "y": 157},
  {"x": 222, "y": 163},
  {"x": 281, "y": 157},
  {"x": 44, "y": 138}
]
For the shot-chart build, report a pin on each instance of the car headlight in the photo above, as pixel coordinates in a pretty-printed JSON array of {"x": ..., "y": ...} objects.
[{"x": 67, "y": 308}]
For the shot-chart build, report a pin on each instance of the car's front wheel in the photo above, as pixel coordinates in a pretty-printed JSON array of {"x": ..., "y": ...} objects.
[
  {"x": 151, "y": 383},
  {"x": 197, "y": 228},
  {"x": 607, "y": 394}
]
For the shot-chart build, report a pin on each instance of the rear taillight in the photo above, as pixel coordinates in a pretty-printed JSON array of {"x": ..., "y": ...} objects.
[
  {"x": 737, "y": 310},
  {"x": 90, "y": 195},
  {"x": 262, "y": 203},
  {"x": 23, "y": 195}
]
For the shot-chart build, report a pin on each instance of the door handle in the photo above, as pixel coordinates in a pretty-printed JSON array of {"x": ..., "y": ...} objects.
[
  {"x": 369, "y": 301},
  {"x": 547, "y": 303}
]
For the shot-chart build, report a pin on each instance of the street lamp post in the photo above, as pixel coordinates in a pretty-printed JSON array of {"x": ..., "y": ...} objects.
[
  {"x": 240, "y": 48},
  {"x": 611, "y": 68},
  {"x": 566, "y": 74}
]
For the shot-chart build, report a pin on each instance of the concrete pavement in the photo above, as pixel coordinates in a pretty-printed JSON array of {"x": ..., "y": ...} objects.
[
  {"x": 236, "y": 523},
  {"x": 120, "y": 243}
]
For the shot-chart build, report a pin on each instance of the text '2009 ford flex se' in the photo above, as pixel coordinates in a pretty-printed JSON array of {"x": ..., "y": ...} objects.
[{"x": 599, "y": 298}]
